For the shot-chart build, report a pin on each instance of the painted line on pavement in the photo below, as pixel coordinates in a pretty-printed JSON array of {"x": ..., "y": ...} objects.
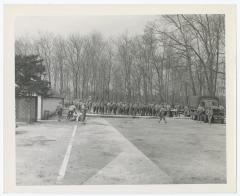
[{"x": 63, "y": 168}]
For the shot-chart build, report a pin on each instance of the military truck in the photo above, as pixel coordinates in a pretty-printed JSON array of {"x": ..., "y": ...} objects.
[
  {"x": 207, "y": 103},
  {"x": 218, "y": 115}
]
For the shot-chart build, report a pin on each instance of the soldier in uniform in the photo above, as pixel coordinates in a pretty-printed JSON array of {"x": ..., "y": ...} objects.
[
  {"x": 89, "y": 105},
  {"x": 108, "y": 108},
  {"x": 162, "y": 114},
  {"x": 114, "y": 106},
  {"x": 186, "y": 110},
  {"x": 121, "y": 108},
  {"x": 177, "y": 107},
  {"x": 118, "y": 107},
  {"x": 209, "y": 113},
  {"x": 59, "y": 111},
  {"x": 200, "y": 111},
  {"x": 148, "y": 109},
  {"x": 111, "y": 107},
  {"x": 98, "y": 107},
  {"x": 127, "y": 108},
  {"x": 153, "y": 110},
  {"x": 104, "y": 107},
  {"x": 135, "y": 106},
  {"x": 156, "y": 109},
  {"x": 95, "y": 107},
  {"x": 101, "y": 107},
  {"x": 141, "y": 109},
  {"x": 84, "y": 111},
  {"x": 124, "y": 108},
  {"x": 221, "y": 107},
  {"x": 130, "y": 105},
  {"x": 134, "y": 109}
]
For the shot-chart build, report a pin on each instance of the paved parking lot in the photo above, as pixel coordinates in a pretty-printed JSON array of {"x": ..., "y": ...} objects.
[{"x": 120, "y": 151}]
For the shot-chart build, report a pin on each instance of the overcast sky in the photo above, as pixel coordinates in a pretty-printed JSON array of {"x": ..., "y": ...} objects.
[{"x": 65, "y": 25}]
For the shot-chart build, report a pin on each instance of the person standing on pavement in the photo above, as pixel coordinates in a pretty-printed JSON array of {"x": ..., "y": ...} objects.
[
  {"x": 177, "y": 110},
  {"x": 200, "y": 111},
  {"x": 209, "y": 113},
  {"x": 84, "y": 111},
  {"x": 185, "y": 110},
  {"x": 162, "y": 114},
  {"x": 59, "y": 111}
]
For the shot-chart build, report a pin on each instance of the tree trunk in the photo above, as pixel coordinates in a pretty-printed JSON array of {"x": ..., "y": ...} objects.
[
  {"x": 191, "y": 74},
  {"x": 61, "y": 80}
]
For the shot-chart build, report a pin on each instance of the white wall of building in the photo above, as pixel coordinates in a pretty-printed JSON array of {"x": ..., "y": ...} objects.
[
  {"x": 50, "y": 104},
  {"x": 39, "y": 107}
]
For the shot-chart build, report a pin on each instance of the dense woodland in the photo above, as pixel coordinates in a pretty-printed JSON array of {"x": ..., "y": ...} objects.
[{"x": 176, "y": 56}]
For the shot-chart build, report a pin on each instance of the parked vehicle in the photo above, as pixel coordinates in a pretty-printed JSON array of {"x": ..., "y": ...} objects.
[
  {"x": 201, "y": 107},
  {"x": 217, "y": 115}
]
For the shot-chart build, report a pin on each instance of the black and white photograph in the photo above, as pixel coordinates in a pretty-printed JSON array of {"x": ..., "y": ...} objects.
[{"x": 120, "y": 99}]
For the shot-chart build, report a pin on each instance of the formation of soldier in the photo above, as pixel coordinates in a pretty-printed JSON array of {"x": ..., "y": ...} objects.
[
  {"x": 202, "y": 111},
  {"x": 134, "y": 109}
]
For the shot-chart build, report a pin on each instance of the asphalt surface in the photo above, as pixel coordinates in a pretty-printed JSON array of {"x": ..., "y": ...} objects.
[{"x": 120, "y": 151}]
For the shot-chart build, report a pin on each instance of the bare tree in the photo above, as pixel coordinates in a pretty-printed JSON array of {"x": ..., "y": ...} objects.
[{"x": 176, "y": 56}]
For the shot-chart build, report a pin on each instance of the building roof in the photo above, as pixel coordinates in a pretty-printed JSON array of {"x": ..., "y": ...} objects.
[{"x": 54, "y": 94}]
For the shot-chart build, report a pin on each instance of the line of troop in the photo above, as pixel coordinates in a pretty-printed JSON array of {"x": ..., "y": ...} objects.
[
  {"x": 206, "y": 109},
  {"x": 134, "y": 109}
]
